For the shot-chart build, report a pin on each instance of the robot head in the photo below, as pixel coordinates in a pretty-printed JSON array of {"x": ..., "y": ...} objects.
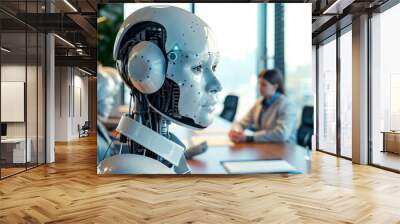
[
  {"x": 108, "y": 83},
  {"x": 169, "y": 56}
]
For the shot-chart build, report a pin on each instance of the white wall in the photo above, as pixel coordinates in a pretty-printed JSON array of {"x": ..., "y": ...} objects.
[
  {"x": 70, "y": 84},
  {"x": 79, "y": 115},
  {"x": 61, "y": 103},
  {"x": 33, "y": 126},
  {"x": 12, "y": 73}
]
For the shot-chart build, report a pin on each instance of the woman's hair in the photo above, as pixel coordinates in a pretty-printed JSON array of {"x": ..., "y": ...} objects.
[{"x": 273, "y": 76}]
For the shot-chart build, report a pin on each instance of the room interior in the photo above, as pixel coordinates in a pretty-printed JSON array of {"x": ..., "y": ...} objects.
[
  {"x": 48, "y": 171},
  {"x": 32, "y": 94}
]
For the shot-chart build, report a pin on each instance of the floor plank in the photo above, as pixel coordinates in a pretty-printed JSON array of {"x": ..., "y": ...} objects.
[{"x": 69, "y": 191}]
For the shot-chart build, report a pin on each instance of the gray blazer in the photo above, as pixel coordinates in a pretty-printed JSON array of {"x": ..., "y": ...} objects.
[{"x": 278, "y": 123}]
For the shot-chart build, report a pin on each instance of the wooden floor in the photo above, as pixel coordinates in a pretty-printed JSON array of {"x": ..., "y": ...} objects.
[
  {"x": 69, "y": 191},
  {"x": 10, "y": 171}
]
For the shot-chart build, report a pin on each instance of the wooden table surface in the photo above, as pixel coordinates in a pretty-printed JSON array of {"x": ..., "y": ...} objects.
[
  {"x": 210, "y": 161},
  {"x": 221, "y": 149}
]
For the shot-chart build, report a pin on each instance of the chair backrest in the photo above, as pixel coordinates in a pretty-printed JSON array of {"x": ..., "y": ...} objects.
[
  {"x": 230, "y": 107},
  {"x": 306, "y": 128},
  {"x": 86, "y": 125},
  {"x": 307, "y": 116}
]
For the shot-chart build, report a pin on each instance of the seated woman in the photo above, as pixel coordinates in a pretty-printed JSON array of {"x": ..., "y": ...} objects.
[{"x": 273, "y": 117}]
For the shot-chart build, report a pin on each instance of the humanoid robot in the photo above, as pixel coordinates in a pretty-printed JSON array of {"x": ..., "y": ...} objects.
[{"x": 167, "y": 56}]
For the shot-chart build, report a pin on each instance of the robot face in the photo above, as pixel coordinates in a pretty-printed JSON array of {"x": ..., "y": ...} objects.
[
  {"x": 192, "y": 57},
  {"x": 198, "y": 85}
]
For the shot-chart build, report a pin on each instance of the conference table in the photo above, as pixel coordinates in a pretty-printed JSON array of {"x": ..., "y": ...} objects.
[{"x": 221, "y": 149}]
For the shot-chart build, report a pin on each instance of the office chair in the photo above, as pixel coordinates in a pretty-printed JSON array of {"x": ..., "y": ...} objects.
[
  {"x": 230, "y": 107},
  {"x": 306, "y": 128},
  {"x": 84, "y": 130}
]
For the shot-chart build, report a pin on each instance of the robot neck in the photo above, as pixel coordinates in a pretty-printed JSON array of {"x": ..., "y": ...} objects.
[
  {"x": 149, "y": 134},
  {"x": 150, "y": 118}
]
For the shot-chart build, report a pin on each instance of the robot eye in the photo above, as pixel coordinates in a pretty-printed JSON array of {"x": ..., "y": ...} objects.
[{"x": 197, "y": 68}]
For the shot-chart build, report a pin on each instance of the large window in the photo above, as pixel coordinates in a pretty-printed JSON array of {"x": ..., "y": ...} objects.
[
  {"x": 385, "y": 84},
  {"x": 327, "y": 96},
  {"x": 22, "y": 92},
  {"x": 346, "y": 94},
  {"x": 329, "y": 111},
  {"x": 13, "y": 82},
  {"x": 270, "y": 29},
  {"x": 298, "y": 75},
  {"x": 237, "y": 66}
]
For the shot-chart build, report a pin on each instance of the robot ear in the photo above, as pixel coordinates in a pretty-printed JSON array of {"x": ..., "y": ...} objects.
[{"x": 146, "y": 67}]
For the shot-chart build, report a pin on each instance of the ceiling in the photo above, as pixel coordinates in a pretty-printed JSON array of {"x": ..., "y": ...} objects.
[
  {"x": 330, "y": 15},
  {"x": 72, "y": 20}
]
